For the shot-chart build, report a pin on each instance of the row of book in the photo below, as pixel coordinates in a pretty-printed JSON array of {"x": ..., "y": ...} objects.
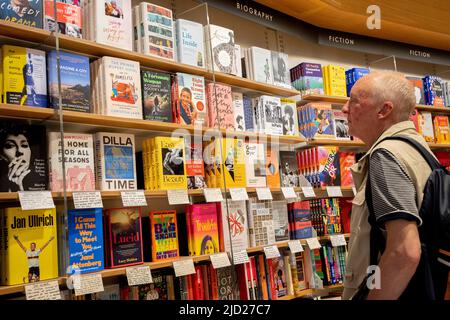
[{"x": 434, "y": 128}]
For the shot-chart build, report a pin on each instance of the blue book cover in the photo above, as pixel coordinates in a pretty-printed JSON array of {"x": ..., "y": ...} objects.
[
  {"x": 75, "y": 81},
  {"x": 29, "y": 13},
  {"x": 248, "y": 113},
  {"x": 86, "y": 251}
]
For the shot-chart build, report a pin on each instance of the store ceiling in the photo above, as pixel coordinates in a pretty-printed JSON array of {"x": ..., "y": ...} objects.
[{"x": 425, "y": 23}]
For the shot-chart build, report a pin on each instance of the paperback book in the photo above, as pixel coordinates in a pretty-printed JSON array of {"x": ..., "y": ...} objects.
[
  {"x": 190, "y": 102},
  {"x": 220, "y": 102},
  {"x": 68, "y": 19},
  {"x": 28, "y": 13},
  {"x": 156, "y": 96},
  {"x": 221, "y": 41},
  {"x": 164, "y": 235},
  {"x": 190, "y": 43}
]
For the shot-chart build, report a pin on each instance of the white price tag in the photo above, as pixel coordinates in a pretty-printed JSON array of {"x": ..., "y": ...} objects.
[
  {"x": 240, "y": 257},
  {"x": 87, "y": 284},
  {"x": 138, "y": 275},
  {"x": 178, "y": 197},
  {"x": 35, "y": 200},
  {"x": 87, "y": 200},
  {"x": 133, "y": 198},
  {"x": 220, "y": 260},
  {"x": 213, "y": 194},
  {"x": 184, "y": 267},
  {"x": 313, "y": 243},
  {"x": 295, "y": 246},
  {"x": 271, "y": 252},
  {"x": 308, "y": 192},
  {"x": 288, "y": 192},
  {"x": 354, "y": 191},
  {"x": 48, "y": 290},
  {"x": 264, "y": 194},
  {"x": 238, "y": 194},
  {"x": 338, "y": 240},
  {"x": 334, "y": 192}
]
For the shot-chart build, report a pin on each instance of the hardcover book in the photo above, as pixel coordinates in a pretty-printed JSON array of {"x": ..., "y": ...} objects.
[
  {"x": 272, "y": 117},
  {"x": 170, "y": 163},
  {"x": 289, "y": 117},
  {"x": 442, "y": 129},
  {"x": 418, "y": 89},
  {"x": 156, "y": 96},
  {"x": 68, "y": 19},
  {"x": 255, "y": 169},
  {"x": 248, "y": 114},
  {"x": 262, "y": 65},
  {"x": 272, "y": 167},
  {"x": 190, "y": 43},
  {"x": 260, "y": 223},
  {"x": 27, "y": 13},
  {"x": 190, "y": 99},
  {"x": 316, "y": 120},
  {"x": 289, "y": 169},
  {"x": 78, "y": 158},
  {"x": 195, "y": 169},
  {"x": 340, "y": 125},
  {"x": 426, "y": 126},
  {"x": 164, "y": 235},
  {"x": 234, "y": 226},
  {"x": 220, "y": 102},
  {"x": 329, "y": 166},
  {"x": 74, "y": 79},
  {"x": 24, "y": 76},
  {"x": 280, "y": 66},
  {"x": 347, "y": 160},
  {"x": 221, "y": 40},
  {"x": 123, "y": 231},
  {"x": 86, "y": 251},
  {"x": 231, "y": 170},
  {"x": 226, "y": 279},
  {"x": 280, "y": 220},
  {"x": 204, "y": 228},
  {"x": 239, "y": 113}
]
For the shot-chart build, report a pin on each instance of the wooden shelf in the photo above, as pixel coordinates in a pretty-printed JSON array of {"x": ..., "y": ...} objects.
[
  {"x": 337, "y": 143},
  {"x": 445, "y": 110},
  {"x": 324, "y": 98},
  {"x": 439, "y": 146}
]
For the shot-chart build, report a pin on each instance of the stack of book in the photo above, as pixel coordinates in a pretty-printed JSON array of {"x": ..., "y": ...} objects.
[
  {"x": 334, "y": 81},
  {"x": 307, "y": 78},
  {"x": 352, "y": 75}
]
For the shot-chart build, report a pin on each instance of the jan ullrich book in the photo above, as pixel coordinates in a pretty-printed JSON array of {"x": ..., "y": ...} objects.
[
  {"x": 30, "y": 246},
  {"x": 28, "y": 13},
  {"x": 164, "y": 235},
  {"x": 85, "y": 227},
  {"x": 156, "y": 96}
]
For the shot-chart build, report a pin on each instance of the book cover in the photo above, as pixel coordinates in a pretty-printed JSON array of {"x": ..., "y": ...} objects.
[
  {"x": 260, "y": 222},
  {"x": 190, "y": 43},
  {"x": 24, "y": 76},
  {"x": 226, "y": 278},
  {"x": 156, "y": 96},
  {"x": 111, "y": 292},
  {"x": 205, "y": 231},
  {"x": 340, "y": 125},
  {"x": 289, "y": 169},
  {"x": 329, "y": 166},
  {"x": 123, "y": 231},
  {"x": 280, "y": 66},
  {"x": 158, "y": 290},
  {"x": 164, "y": 235},
  {"x": 273, "y": 115},
  {"x": 28, "y": 13},
  {"x": 232, "y": 163},
  {"x": 272, "y": 167},
  {"x": 279, "y": 276},
  {"x": 195, "y": 169},
  {"x": 347, "y": 160},
  {"x": 23, "y": 160},
  {"x": 86, "y": 250},
  {"x": 170, "y": 163},
  {"x": 190, "y": 99},
  {"x": 418, "y": 89},
  {"x": 426, "y": 126},
  {"x": 316, "y": 120},
  {"x": 68, "y": 19},
  {"x": 122, "y": 83},
  {"x": 280, "y": 220},
  {"x": 262, "y": 65},
  {"x": 444, "y": 158},
  {"x": 234, "y": 226},
  {"x": 78, "y": 158},
  {"x": 115, "y": 159},
  {"x": 74, "y": 78},
  {"x": 239, "y": 113},
  {"x": 442, "y": 129},
  {"x": 289, "y": 117},
  {"x": 220, "y": 102},
  {"x": 248, "y": 113},
  {"x": 30, "y": 245},
  {"x": 221, "y": 41},
  {"x": 255, "y": 168}
]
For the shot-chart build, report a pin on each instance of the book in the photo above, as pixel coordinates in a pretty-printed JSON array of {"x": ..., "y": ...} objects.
[
  {"x": 434, "y": 91},
  {"x": 78, "y": 158},
  {"x": 86, "y": 250},
  {"x": 30, "y": 245},
  {"x": 123, "y": 234},
  {"x": 234, "y": 226},
  {"x": 220, "y": 41},
  {"x": 115, "y": 159},
  {"x": 158, "y": 290},
  {"x": 280, "y": 220},
  {"x": 226, "y": 279},
  {"x": 280, "y": 67},
  {"x": 190, "y": 43},
  {"x": 248, "y": 113},
  {"x": 24, "y": 76},
  {"x": 329, "y": 166},
  {"x": 156, "y": 96},
  {"x": 27, "y": 13},
  {"x": 340, "y": 125},
  {"x": 255, "y": 169},
  {"x": 307, "y": 78},
  {"x": 230, "y": 169},
  {"x": 220, "y": 110},
  {"x": 195, "y": 169},
  {"x": 204, "y": 230},
  {"x": 300, "y": 216},
  {"x": 289, "y": 117},
  {"x": 24, "y": 162},
  {"x": 441, "y": 129},
  {"x": 316, "y": 120},
  {"x": 239, "y": 113},
  {"x": 418, "y": 89},
  {"x": 260, "y": 222},
  {"x": 261, "y": 60},
  {"x": 272, "y": 167},
  {"x": 289, "y": 169},
  {"x": 68, "y": 19},
  {"x": 271, "y": 112},
  {"x": 190, "y": 102},
  {"x": 74, "y": 80},
  {"x": 164, "y": 235},
  {"x": 347, "y": 160},
  {"x": 426, "y": 126}
]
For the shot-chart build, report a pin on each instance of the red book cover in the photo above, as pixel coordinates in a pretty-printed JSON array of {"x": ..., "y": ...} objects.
[
  {"x": 214, "y": 285},
  {"x": 414, "y": 117},
  {"x": 205, "y": 232},
  {"x": 204, "y": 269},
  {"x": 444, "y": 158},
  {"x": 199, "y": 293},
  {"x": 346, "y": 159},
  {"x": 271, "y": 283},
  {"x": 190, "y": 286},
  {"x": 242, "y": 281},
  {"x": 345, "y": 204},
  {"x": 220, "y": 224}
]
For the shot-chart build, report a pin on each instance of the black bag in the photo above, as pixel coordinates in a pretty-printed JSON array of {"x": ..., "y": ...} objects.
[{"x": 431, "y": 277}]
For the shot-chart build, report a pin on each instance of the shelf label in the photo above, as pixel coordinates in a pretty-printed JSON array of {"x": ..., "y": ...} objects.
[
  {"x": 271, "y": 252},
  {"x": 133, "y": 198},
  {"x": 338, "y": 240},
  {"x": 334, "y": 192},
  {"x": 138, "y": 275},
  {"x": 238, "y": 194},
  {"x": 264, "y": 194},
  {"x": 34, "y": 200},
  {"x": 213, "y": 195},
  {"x": 48, "y": 290},
  {"x": 313, "y": 243},
  {"x": 308, "y": 192},
  {"x": 240, "y": 257},
  {"x": 87, "y": 200},
  {"x": 354, "y": 191},
  {"x": 184, "y": 267},
  {"x": 295, "y": 246},
  {"x": 178, "y": 197},
  {"x": 87, "y": 284},
  {"x": 288, "y": 192},
  {"x": 220, "y": 260}
]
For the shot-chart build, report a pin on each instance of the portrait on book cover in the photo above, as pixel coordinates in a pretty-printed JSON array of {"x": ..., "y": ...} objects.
[
  {"x": 288, "y": 120},
  {"x": 113, "y": 8},
  {"x": 173, "y": 163}
]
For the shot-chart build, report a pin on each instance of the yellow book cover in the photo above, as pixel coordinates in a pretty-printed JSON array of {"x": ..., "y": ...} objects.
[
  {"x": 337, "y": 80},
  {"x": 442, "y": 129},
  {"x": 171, "y": 162},
  {"x": 31, "y": 245},
  {"x": 233, "y": 163},
  {"x": 325, "y": 80}
]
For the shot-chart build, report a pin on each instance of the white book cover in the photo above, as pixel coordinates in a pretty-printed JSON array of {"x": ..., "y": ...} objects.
[
  {"x": 262, "y": 65},
  {"x": 235, "y": 226},
  {"x": 136, "y": 29},
  {"x": 255, "y": 168},
  {"x": 122, "y": 81},
  {"x": 239, "y": 115},
  {"x": 272, "y": 115},
  {"x": 280, "y": 220},
  {"x": 290, "y": 122},
  {"x": 221, "y": 41},
  {"x": 157, "y": 31},
  {"x": 426, "y": 126},
  {"x": 260, "y": 223},
  {"x": 280, "y": 68},
  {"x": 115, "y": 161},
  {"x": 237, "y": 60},
  {"x": 113, "y": 23},
  {"x": 340, "y": 125},
  {"x": 78, "y": 160},
  {"x": 190, "y": 43}
]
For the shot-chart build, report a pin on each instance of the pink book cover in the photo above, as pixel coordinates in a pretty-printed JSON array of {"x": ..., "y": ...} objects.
[
  {"x": 220, "y": 106},
  {"x": 205, "y": 228}
]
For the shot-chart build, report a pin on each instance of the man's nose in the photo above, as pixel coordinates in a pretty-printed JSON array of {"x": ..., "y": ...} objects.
[{"x": 345, "y": 108}]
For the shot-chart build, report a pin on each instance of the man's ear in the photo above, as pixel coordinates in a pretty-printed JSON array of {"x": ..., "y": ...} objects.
[{"x": 386, "y": 110}]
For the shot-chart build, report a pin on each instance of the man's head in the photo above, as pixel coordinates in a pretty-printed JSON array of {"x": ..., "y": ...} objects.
[{"x": 378, "y": 101}]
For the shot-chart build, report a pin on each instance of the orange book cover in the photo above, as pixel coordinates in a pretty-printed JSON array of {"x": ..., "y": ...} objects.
[
  {"x": 441, "y": 129},
  {"x": 164, "y": 235},
  {"x": 272, "y": 168},
  {"x": 262, "y": 277}
]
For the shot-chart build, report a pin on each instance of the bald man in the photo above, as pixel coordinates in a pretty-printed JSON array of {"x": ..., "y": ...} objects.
[{"x": 379, "y": 106}]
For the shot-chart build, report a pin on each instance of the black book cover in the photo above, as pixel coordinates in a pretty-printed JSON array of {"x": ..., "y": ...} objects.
[{"x": 156, "y": 96}]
